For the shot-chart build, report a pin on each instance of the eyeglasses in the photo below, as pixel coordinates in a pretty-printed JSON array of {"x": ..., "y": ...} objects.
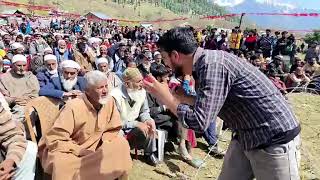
[{"x": 67, "y": 73}]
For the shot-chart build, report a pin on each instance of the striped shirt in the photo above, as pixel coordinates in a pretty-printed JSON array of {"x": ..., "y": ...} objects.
[{"x": 241, "y": 95}]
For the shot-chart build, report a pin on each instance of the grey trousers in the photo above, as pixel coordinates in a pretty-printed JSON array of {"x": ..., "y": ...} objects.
[
  {"x": 278, "y": 162},
  {"x": 137, "y": 139}
]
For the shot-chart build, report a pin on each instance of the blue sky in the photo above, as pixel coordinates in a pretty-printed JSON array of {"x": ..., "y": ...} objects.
[{"x": 310, "y": 4}]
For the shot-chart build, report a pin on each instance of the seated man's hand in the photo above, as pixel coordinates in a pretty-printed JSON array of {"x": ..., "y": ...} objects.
[
  {"x": 151, "y": 127},
  {"x": 143, "y": 127},
  {"x": 67, "y": 94},
  {"x": 21, "y": 101},
  {"x": 76, "y": 93},
  {"x": 7, "y": 169}
]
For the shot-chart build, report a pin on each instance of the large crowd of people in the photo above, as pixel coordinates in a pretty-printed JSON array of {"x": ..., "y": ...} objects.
[{"x": 96, "y": 71}]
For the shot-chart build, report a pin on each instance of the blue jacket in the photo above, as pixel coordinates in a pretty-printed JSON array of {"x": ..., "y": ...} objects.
[
  {"x": 44, "y": 78},
  {"x": 55, "y": 89},
  {"x": 66, "y": 56}
]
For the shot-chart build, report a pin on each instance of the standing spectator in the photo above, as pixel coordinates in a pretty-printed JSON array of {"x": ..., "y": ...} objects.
[
  {"x": 265, "y": 44},
  {"x": 251, "y": 41}
]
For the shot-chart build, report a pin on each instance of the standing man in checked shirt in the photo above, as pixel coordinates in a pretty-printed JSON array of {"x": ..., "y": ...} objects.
[{"x": 265, "y": 143}]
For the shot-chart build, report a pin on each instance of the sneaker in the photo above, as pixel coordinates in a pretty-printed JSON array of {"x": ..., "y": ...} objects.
[{"x": 216, "y": 151}]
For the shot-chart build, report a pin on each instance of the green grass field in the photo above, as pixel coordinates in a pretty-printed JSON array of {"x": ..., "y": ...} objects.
[{"x": 307, "y": 109}]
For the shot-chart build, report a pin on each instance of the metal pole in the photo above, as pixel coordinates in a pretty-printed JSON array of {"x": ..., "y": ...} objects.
[{"x": 241, "y": 19}]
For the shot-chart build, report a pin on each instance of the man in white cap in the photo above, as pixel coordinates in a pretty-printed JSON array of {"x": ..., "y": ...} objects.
[
  {"x": 15, "y": 48},
  {"x": 50, "y": 71},
  {"x": 94, "y": 43},
  {"x": 19, "y": 86},
  {"x": 66, "y": 86},
  {"x": 102, "y": 65},
  {"x": 62, "y": 51},
  {"x": 157, "y": 60},
  {"x": 132, "y": 103}
]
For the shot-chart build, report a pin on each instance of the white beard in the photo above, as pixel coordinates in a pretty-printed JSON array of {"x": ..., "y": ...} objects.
[
  {"x": 68, "y": 84},
  {"x": 136, "y": 95},
  {"x": 147, "y": 66},
  {"x": 53, "y": 72},
  {"x": 62, "y": 50},
  {"x": 103, "y": 100}
]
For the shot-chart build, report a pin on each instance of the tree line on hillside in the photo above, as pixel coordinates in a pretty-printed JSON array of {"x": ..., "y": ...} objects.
[{"x": 192, "y": 7}]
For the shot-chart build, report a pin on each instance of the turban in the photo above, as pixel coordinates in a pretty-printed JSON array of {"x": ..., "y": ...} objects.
[
  {"x": 19, "y": 57},
  {"x": 70, "y": 64},
  {"x": 94, "y": 40},
  {"x": 58, "y": 34},
  {"x": 130, "y": 73},
  {"x": 101, "y": 60},
  {"x": 50, "y": 57},
  {"x": 61, "y": 41},
  {"x": 16, "y": 45}
]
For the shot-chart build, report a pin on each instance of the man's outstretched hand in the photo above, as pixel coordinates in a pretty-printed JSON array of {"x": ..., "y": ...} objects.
[
  {"x": 162, "y": 92},
  {"x": 7, "y": 169}
]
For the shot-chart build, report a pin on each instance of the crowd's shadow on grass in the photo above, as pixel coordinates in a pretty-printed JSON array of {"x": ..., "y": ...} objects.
[{"x": 202, "y": 146}]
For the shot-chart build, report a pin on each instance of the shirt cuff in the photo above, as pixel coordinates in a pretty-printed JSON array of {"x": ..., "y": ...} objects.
[
  {"x": 15, "y": 157},
  {"x": 181, "y": 113}
]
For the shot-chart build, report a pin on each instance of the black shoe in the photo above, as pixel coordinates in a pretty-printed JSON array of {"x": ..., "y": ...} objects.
[
  {"x": 152, "y": 159},
  {"x": 169, "y": 147},
  {"x": 216, "y": 151}
]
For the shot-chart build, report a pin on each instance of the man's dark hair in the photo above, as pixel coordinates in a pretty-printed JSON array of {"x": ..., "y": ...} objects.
[{"x": 180, "y": 39}]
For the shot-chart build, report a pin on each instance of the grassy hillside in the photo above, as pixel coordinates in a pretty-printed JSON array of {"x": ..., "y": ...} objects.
[{"x": 142, "y": 11}]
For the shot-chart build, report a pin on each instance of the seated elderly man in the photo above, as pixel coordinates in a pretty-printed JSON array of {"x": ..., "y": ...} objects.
[
  {"x": 51, "y": 70},
  {"x": 62, "y": 52},
  {"x": 19, "y": 86},
  {"x": 103, "y": 66},
  {"x": 66, "y": 86},
  {"x": 18, "y": 156},
  {"x": 85, "y": 141},
  {"x": 131, "y": 100}
]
